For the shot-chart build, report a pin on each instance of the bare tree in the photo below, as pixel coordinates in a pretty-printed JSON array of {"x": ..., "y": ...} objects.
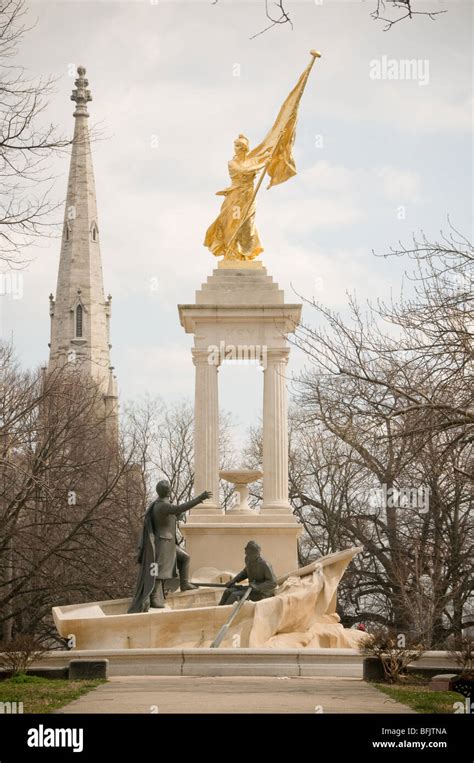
[
  {"x": 163, "y": 437},
  {"x": 27, "y": 142},
  {"x": 276, "y": 14},
  {"x": 71, "y": 498},
  {"x": 394, "y": 388},
  {"x": 389, "y": 12},
  {"x": 61, "y": 536},
  {"x": 422, "y": 366},
  {"x": 436, "y": 323},
  {"x": 165, "y": 434}
]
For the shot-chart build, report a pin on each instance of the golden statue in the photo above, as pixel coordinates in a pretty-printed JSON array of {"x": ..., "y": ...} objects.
[
  {"x": 229, "y": 234},
  {"x": 233, "y": 234}
]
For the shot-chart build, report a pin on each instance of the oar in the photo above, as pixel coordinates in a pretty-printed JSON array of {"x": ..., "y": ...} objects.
[
  {"x": 223, "y": 631},
  {"x": 279, "y": 581},
  {"x": 210, "y": 585}
]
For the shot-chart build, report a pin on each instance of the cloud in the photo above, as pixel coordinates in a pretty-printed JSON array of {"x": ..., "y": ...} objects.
[
  {"x": 334, "y": 196},
  {"x": 167, "y": 70},
  {"x": 165, "y": 369},
  {"x": 400, "y": 184}
]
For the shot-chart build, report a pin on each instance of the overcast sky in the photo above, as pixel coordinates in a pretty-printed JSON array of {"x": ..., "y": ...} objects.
[{"x": 365, "y": 148}]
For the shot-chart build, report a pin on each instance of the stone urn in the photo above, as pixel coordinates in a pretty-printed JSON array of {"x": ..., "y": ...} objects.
[{"x": 241, "y": 478}]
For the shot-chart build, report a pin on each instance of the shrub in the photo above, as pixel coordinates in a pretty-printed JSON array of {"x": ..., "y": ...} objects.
[
  {"x": 394, "y": 650},
  {"x": 462, "y": 650},
  {"x": 18, "y": 654}
]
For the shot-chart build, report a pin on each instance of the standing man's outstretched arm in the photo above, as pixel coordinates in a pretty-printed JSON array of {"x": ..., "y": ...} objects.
[{"x": 189, "y": 504}]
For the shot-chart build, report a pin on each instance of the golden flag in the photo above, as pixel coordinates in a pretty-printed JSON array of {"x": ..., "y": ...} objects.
[{"x": 279, "y": 141}]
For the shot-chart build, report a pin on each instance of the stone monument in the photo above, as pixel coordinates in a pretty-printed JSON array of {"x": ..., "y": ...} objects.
[
  {"x": 241, "y": 307},
  {"x": 240, "y": 310}
]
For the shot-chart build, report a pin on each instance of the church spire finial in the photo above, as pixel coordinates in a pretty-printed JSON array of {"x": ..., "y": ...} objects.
[{"x": 81, "y": 95}]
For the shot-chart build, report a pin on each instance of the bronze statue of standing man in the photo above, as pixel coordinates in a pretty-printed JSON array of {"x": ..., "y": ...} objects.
[{"x": 161, "y": 559}]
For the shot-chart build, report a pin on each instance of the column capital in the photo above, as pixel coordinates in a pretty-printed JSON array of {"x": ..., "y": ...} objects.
[
  {"x": 277, "y": 355},
  {"x": 202, "y": 356}
]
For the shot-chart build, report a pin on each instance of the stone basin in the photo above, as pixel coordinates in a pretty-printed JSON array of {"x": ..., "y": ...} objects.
[{"x": 241, "y": 479}]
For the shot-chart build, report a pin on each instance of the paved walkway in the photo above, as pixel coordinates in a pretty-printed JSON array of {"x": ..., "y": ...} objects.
[{"x": 162, "y": 694}]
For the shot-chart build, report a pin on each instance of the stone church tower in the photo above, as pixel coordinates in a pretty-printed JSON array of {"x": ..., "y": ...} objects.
[{"x": 80, "y": 314}]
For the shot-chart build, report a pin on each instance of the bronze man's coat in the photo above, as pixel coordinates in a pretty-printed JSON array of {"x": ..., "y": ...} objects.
[
  {"x": 157, "y": 544},
  {"x": 260, "y": 574}
]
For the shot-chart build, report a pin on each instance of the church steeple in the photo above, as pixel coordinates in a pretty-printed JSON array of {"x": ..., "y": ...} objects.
[{"x": 80, "y": 314}]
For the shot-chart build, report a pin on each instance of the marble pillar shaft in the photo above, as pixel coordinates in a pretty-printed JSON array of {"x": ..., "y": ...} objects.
[
  {"x": 275, "y": 433},
  {"x": 206, "y": 429}
]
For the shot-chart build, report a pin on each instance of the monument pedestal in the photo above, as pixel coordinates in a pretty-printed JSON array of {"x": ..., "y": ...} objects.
[
  {"x": 220, "y": 541},
  {"x": 240, "y": 314}
]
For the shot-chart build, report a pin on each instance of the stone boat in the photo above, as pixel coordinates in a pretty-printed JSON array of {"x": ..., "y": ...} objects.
[{"x": 301, "y": 614}]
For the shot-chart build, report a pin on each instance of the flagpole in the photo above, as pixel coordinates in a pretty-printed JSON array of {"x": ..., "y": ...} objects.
[{"x": 315, "y": 54}]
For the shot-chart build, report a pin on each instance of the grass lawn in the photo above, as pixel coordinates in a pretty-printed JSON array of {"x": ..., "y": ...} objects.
[
  {"x": 414, "y": 692},
  {"x": 43, "y": 695}
]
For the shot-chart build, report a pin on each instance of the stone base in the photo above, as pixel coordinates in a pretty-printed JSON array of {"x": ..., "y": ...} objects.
[
  {"x": 220, "y": 542},
  {"x": 228, "y": 662},
  {"x": 345, "y": 663},
  {"x": 240, "y": 265}
]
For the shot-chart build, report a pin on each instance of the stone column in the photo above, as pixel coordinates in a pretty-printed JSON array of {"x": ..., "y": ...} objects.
[
  {"x": 275, "y": 434},
  {"x": 206, "y": 432}
]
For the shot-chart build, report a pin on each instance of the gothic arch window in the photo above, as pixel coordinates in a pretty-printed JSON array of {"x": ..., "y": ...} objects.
[
  {"x": 94, "y": 232},
  {"x": 79, "y": 320}
]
